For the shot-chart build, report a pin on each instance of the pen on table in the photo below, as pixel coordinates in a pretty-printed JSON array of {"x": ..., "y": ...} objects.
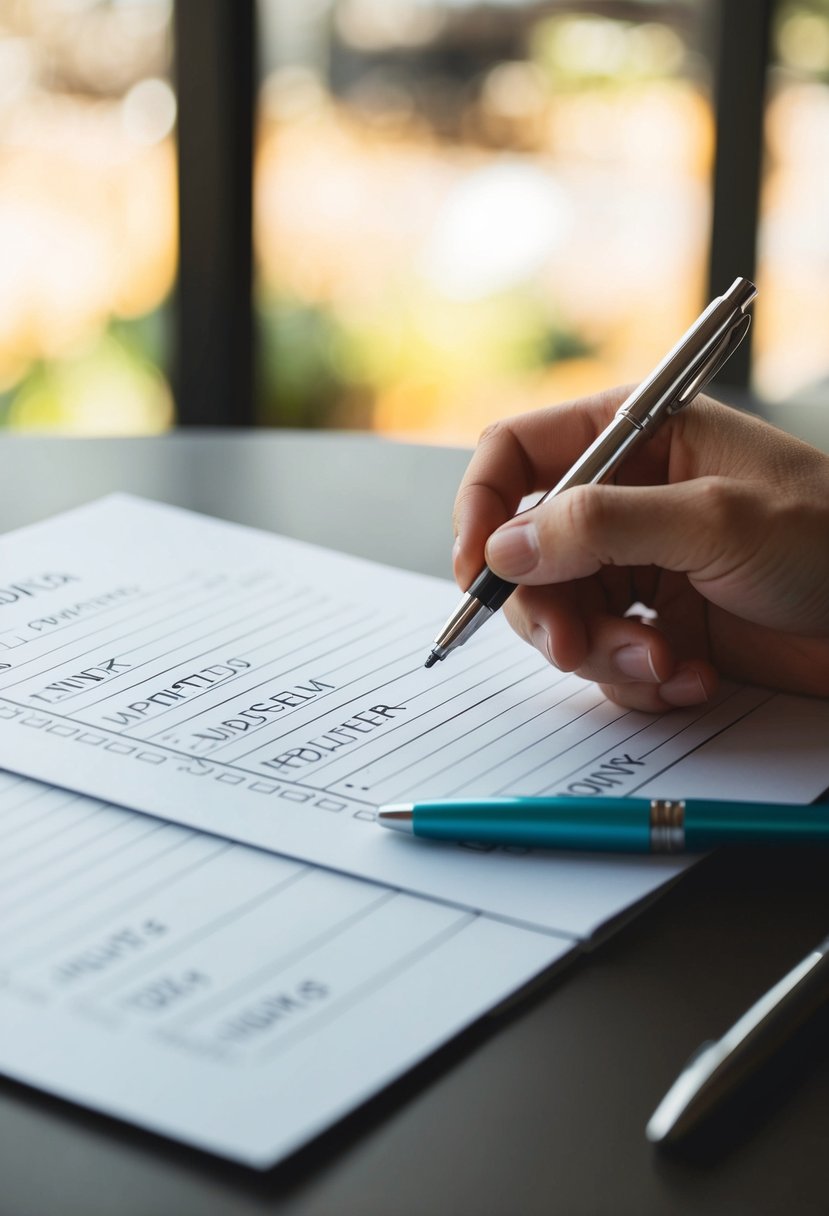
[
  {"x": 615, "y": 825},
  {"x": 681, "y": 375},
  {"x": 717, "y": 1068}
]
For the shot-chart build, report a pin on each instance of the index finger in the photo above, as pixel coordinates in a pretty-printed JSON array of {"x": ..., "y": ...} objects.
[{"x": 519, "y": 456}]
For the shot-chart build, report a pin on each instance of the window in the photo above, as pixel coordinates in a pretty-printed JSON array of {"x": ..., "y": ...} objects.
[
  {"x": 792, "y": 310},
  {"x": 463, "y": 210},
  {"x": 87, "y": 215},
  {"x": 445, "y": 212}
]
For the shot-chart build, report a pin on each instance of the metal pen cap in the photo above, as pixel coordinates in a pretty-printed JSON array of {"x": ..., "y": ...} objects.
[
  {"x": 694, "y": 360},
  {"x": 682, "y": 374}
]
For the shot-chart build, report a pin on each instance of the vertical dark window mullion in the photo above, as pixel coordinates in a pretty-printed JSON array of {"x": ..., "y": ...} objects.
[
  {"x": 214, "y": 68},
  {"x": 741, "y": 63}
]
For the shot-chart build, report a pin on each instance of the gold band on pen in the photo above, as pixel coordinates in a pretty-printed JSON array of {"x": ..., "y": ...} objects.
[{"x": 667, "y": 825}]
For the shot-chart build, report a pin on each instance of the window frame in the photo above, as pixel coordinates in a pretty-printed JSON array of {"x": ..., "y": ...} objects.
[
  {"x": 214, "y": 66},
  {"x": 215, "y": 58}
]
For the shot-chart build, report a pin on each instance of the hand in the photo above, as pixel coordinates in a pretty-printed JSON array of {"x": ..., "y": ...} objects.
[{"x": 719, "y": 523}]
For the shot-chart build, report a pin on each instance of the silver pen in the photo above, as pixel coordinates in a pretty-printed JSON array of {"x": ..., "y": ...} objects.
[
  {"x": 682, "y": 374},
  {"x": 718, "y": 1068}
]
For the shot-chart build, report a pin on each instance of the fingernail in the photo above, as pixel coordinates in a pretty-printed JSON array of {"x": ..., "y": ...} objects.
[
  {"x": 541, "y": 640},
  {"x": 635, "y": 662},
  {"x": 684, "y": 688},
  {"x": 513, "y": 550}
]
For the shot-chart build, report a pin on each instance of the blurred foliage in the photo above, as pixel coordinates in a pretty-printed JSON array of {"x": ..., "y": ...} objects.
[
  {"x": 88, "y": 230},
  {"x": 590, "y": 49},
  {"x": 801, "y": 37},
  {"x": 299, "y": 344},
  {"x": 351, "y": 333},
  {"x": 113, "y": 382},
  {"x": 322, "y": 367},
  {"x": 465, "y": 210}
]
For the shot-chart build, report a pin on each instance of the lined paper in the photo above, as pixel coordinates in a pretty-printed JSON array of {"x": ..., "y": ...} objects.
[
  {"x": 212, "y": 992},
  {"x": 243, "y": 957},
  {"x": 274, "y": 693}
]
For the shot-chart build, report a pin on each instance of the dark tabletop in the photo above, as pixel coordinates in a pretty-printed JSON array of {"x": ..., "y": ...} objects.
[{"x": 542, "y": 1108}]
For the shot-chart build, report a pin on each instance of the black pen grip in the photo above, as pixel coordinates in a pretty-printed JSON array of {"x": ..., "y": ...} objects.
[{"x": 491, "y": 590}]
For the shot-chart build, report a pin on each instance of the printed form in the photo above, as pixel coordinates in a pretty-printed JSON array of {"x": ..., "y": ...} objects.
[
  {"x": 275, "y": 693},
  {"x": 217, "y": 994},
  {"x": 272, "y": 694}
]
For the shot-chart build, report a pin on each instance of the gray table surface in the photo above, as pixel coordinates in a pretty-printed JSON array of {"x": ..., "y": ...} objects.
[{"x": 540, "y": 1109}]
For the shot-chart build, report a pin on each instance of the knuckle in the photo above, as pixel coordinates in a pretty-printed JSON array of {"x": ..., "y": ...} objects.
[
  {"x": 518, "y": 617},
  {"x": 497, "y": 432},
  {"x": 719, "y": 502},
  {"x": 474, "y": 497},
  {"x": 614, "y": 693},
  {"x": 585, "y": 516},
  {"x": 464, "y": 494},
  {"x": 527, "y": 610},
  {"x": 729, "y": 513}
]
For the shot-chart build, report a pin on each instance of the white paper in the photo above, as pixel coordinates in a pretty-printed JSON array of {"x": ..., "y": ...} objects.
[
  {"x": 275, "y": 693},
  {"x": 218, "y": 994},
  {"x": 214, "y": 677}
]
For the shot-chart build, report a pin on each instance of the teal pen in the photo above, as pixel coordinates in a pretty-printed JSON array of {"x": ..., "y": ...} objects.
[{"x": 610, "y": 825}]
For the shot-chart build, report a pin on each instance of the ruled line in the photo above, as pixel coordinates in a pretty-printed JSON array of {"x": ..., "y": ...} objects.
[
  {"x": 93, "y": 633},
  {"x": 186, "y": 657}
]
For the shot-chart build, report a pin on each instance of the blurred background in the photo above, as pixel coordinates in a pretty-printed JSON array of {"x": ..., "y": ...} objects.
[{"x": 413, "y": 216}]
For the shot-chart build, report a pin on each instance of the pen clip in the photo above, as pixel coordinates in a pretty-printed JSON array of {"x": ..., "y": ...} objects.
[{"x": 721, "y": 352}]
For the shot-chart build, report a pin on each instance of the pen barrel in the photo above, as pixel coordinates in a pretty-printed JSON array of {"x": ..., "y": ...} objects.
[
  {"x": 712, "y": 823},
  {"x": 599, "y": 463},
  {"x": 590, "y": 825},
  {"x": 604, "y": 456},
  {"x": 718, "y": 1068}
]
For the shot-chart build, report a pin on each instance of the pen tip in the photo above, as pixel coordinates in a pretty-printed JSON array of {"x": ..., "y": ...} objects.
[
  {"x": 398, "y": 817},
  {"x": 432, "y": 659}
]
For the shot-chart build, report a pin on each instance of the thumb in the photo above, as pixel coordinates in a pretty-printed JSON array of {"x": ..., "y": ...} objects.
[{"x": 703, "y": 527}]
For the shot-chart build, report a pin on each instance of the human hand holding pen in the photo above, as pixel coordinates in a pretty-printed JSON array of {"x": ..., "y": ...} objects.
[{"x": 719, "y": 523}]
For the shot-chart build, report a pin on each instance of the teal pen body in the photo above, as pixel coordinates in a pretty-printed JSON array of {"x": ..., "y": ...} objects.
[
  {"x": 708, "y": 824},
  {"x": 615, "y": 825},
  {"x": 620, "y": 825}
]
